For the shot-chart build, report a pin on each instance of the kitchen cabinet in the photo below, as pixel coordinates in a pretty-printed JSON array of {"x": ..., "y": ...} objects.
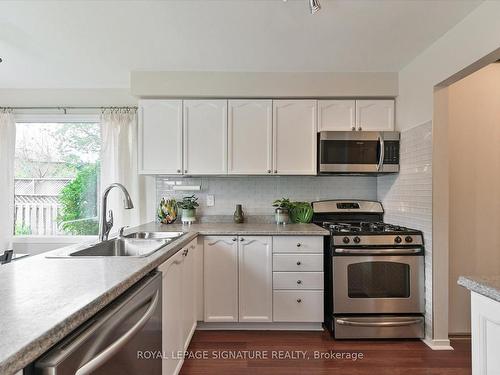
[
  {"x": 485, "y": 325},
  {"x": 205, "y": 137},
  {"x": 238, "y": 278},
  {"x": 375, "y": 115},
  {"x": 255, "y": 279},
  {"x": 178, "y": 306},
  {"x": 298, "y": 279},
  {"x": 250, "y": 129},
  {"x": 160, "y": 137},
  {"x": 220, "y": 274},
  {"x": 294, "y": 137},
  {"x": 336, "y": 115}
]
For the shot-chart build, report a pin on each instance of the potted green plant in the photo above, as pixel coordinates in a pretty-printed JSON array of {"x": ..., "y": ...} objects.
[
  {"x": 301, "y": 212},
  {"x": 281, "y": 213},
  {"x": 188, "y": 205}
]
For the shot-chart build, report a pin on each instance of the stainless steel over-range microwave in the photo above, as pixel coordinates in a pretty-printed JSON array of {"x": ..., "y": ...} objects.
[{"x": 358, "y": 152}]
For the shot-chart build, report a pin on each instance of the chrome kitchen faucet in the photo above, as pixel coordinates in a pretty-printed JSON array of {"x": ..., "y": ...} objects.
[{"x": 106, "y": 224}]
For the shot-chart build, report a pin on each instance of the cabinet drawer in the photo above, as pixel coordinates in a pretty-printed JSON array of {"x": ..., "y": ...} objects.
[
  {"x": 302, "y": 244},
  {"x": 298, "y": 280},
  {"x": 298, "y": 262},
  {"x": 298, "y": 306}
]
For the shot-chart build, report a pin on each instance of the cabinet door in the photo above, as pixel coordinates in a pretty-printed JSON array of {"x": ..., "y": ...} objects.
[
  {"x": 294, "y": 137},
  {"x": 220, "y": 269},
  {"x": 376, "y": 115},
  {"x": 188, "y": 293},
  {"x": 255, "y": 279},
  {"x": 205, "y": 137},
  {"x": 250, "y": 130},
  {"x": 336, "y": 115},
  {"x": 160, "y": 137},
  {"x": 172, "y": 329}
]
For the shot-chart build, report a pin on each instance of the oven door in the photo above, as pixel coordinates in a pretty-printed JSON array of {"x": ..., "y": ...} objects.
[
  {"x": 358, "y": 152},
  {"x": 378, "y": 284}
]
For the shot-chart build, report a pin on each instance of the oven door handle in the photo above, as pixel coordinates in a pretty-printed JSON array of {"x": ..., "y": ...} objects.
[
  {"x": 395, "y": 323},
  {"x": 382, "y": 151},
  {"x": 359, "y": 251}
]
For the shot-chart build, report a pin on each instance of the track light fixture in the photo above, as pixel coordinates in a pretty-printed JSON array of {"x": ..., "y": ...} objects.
[{"x": 314, "y": 6}]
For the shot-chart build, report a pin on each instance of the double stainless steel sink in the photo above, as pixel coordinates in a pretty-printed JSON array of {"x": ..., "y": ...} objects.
[{"x": 138, "y": 244}]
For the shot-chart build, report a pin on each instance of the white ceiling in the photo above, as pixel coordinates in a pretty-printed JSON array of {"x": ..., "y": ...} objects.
[{"x": 93, "y": 44}]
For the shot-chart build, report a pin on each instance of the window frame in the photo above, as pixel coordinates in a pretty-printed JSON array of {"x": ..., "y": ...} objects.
[{"x": 54, "y": 118}]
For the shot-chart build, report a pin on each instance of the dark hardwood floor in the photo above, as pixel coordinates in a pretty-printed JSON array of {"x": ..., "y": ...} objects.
[{"x": 408, "y": 357}]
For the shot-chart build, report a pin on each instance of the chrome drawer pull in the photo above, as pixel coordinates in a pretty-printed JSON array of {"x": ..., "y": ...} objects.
[
  {"x": 299, "y": 282},
  {"x": 299, "y": 263}
]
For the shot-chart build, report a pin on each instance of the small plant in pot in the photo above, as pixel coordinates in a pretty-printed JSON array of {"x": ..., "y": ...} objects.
[
  {"x": 188, "y": 206},
  {"x": 281, "y": 213}
]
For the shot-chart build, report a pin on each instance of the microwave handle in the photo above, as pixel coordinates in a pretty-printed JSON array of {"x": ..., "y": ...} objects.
[{"x": 381, "y": 156}]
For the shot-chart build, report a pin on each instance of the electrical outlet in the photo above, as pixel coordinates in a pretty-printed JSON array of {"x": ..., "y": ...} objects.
[{"x": 210, "y": 200}]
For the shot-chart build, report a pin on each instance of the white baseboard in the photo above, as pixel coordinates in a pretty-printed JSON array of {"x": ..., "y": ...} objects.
[
  {"x": 202, "y": 326},
  {"x": 437, "y": 344}
]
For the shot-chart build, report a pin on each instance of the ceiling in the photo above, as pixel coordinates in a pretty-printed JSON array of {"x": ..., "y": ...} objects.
[{"x": 95, "y": 44}]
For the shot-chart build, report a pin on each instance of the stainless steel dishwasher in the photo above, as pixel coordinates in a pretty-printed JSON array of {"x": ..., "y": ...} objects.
[{"x": 124, "y": 338}]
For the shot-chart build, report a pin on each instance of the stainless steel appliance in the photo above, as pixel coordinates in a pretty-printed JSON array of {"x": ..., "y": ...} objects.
[
  {"x": 374, "y": 272},
  {"x": 358, "y": 152},
  {"x": 117, "y": 340}
]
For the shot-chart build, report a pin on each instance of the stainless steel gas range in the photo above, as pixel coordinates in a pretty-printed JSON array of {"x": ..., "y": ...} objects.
[{"x": 374, "y": 272}]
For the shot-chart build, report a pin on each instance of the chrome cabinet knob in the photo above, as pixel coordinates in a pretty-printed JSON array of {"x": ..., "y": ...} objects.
[
  {"x": 269, "y": 171},
  {"x": 242, "y": 239},
  {"x": 360, "y": 128},
  {"x": 299, "y": 244},
  {"x": 353, "y": 128},
  {"x": 275, "y": 171},
  {"x": 299, "y": 300},
  {"x": 185, "y": 171},
  {"x": 234, "y": 239},
  {"x": 299, "y": 263},
  {"x": 299, "y": 282},
  {"x": 178, "y": 171}
]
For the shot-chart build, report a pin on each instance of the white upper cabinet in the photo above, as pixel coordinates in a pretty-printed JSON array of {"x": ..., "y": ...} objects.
[
  {"x": 294, "y": 137},
  {"x": 377, "y": 115},
  {"x": 220, "y": 274},
  {"x": 160, "y": 136},
  {"x": 336, "y": 115},
  {"x": 205, "y": 137},
  {"x": 255, "y": 259},
  {"x": 250, "y": 130}
]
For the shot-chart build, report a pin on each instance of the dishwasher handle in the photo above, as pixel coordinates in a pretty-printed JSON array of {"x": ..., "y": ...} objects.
[{"x": 111, "y": 350}]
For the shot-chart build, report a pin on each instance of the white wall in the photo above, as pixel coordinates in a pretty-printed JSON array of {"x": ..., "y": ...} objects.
[
  {"x": 476, "y": 36},
  {"x": 474, "y": 125}
]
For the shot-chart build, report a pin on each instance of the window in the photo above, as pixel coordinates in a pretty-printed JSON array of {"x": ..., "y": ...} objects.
[{"x": 56, "y": 177}]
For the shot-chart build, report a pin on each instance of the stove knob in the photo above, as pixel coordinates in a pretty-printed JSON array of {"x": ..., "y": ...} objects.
[
  {"x": 357, "y": 239},
  {"x": 409, "y": 239},
  {"x": 346, "y": 240},
  {"x": 398, "y": 239}
]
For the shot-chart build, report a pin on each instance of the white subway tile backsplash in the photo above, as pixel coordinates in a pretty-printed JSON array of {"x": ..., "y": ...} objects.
[
  {"x": 407, "y": 197},
  {"x": 256, "y": 194}
]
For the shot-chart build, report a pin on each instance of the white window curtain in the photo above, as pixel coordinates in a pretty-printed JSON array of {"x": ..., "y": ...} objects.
[
  {"x": 7, "y": 153},
  {"x": 119, "y": 164}
]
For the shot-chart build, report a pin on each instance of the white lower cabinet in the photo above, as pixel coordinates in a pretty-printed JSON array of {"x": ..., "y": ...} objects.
[
  {"x": 178, "y": 306},
  {"x": 485, "y": 324},
  {"x": 298, "y": 306},
  {"x": 298, "y": 279},
  {"x": 255, "y": 279},
  {"x": 220, "y": 274}
]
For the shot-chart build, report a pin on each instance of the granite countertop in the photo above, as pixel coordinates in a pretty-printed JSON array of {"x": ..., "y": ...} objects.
[
  {"x": 263, "y": 229},
  {"x": 488, "y": 286},
  {"x": 43, "y": 299}
]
